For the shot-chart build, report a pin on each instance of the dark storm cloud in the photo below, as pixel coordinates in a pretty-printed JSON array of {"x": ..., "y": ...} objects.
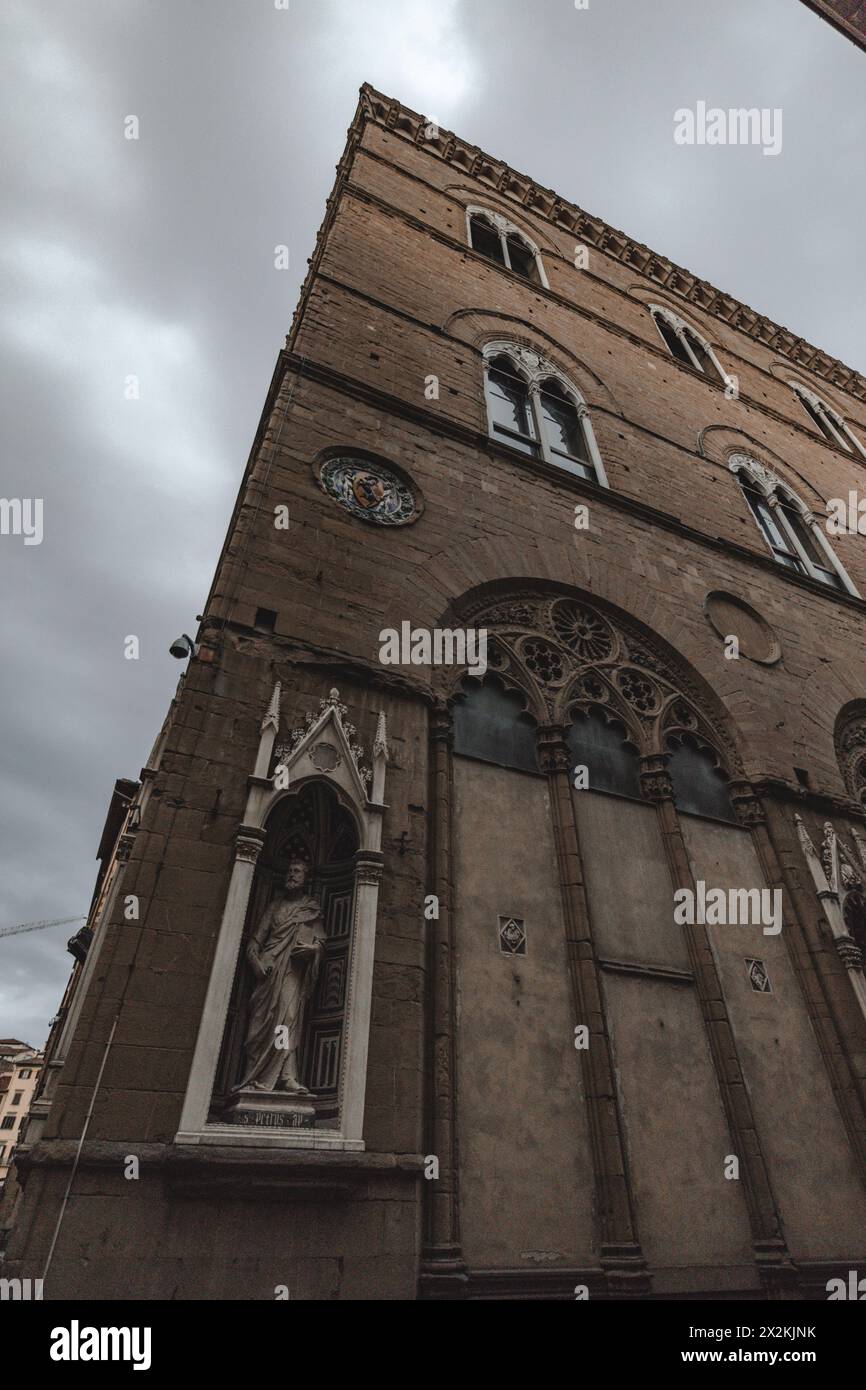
[{"x": 155, "y": 258}]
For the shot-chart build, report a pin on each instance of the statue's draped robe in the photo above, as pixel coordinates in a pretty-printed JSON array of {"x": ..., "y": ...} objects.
[{"x": 280, "y": 999}]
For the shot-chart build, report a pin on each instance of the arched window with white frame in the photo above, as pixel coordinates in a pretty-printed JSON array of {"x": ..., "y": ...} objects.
[
  {"x": 792, "y": 533},
  {"x": 493, "y": 236},
  {"x": 533, "y": 407},
  {"x": 685, "y": 344},
  {"x": 829, "y": 421}
]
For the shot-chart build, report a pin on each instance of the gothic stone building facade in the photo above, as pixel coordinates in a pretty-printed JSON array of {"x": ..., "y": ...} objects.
[
  {"x": 495, "y": 414},
  {"x": 848, "y": 16}
]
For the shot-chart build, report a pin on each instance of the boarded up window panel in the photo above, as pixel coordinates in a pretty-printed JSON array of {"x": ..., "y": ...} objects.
[
  {"x": 490, "y": 724},
  {"x": 602, "y": 748},
  {"x": 699, "y": 788}
]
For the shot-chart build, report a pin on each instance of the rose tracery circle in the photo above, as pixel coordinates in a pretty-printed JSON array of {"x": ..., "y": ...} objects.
[{"x": 588, "y": 635}]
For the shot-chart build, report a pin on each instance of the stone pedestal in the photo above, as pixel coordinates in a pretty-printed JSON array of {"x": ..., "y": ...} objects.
[{"x": 272, "y": 1109}]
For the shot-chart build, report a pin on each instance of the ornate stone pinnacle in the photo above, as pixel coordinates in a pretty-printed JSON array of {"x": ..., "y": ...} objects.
[
  {"x": 380, "y": 743},
  {"x": 272, "y": 715}
]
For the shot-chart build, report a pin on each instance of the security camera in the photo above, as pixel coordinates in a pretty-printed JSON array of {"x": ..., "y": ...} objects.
[{"x": 182, "y": 647}]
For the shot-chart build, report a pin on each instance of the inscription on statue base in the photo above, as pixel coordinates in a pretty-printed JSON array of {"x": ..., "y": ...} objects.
[{"x": 272, "y": 1110}]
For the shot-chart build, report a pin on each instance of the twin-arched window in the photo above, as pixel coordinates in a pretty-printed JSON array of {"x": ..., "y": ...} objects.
[
  {"x": 791, "y": 531},
  {"x": 493, "y": 236},
  {"x": 829, "y": 421},
  {"x": 532, "y": 407},
  {"x": 685, "y": 343}
]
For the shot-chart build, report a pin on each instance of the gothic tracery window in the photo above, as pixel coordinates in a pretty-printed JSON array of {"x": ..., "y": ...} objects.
[
  {"x": 490, "y": 724},
  {"x": 533, "y": 408},
  {"x": 618, "y": 699},
  {"x": 700, "y": 788},
  {"x": 789, "y": 529},
  {"x": 850, "y": 740},
  {"x": 834, "y": 428},
  {"x": 603, "y": 747},
  {"x": 493, "y": 236},
  {"x": 685, "y": 344}
]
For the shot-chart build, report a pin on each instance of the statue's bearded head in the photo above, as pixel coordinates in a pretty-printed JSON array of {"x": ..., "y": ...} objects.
[{"x": 296, "y": 875}]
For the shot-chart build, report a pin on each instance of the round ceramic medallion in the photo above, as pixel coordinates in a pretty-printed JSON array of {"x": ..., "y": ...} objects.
[{"x": 369, "y": 490}]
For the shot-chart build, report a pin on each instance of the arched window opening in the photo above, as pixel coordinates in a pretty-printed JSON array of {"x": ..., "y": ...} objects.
[
  {"x": 850, "y": 741},
  {"x": 511, "y": 415},
  {"x": 794, "y": 537},
  {"x": 490, "y": 724},
  {"x": 532, "y": 408},
  {"x": 672, "y": 340},
  {"x": 491, "y": 235},
  {"x": 699, "y": 351},
  {"x": 834, "y": 428},
  {"x": 603, "y": 748},
  {"x": 520, "y": 257},
  {"x": 685, "y": 344},
  {"x": 563, "y": 430},
  {"x": 486, "y": 240},
  {"x": 700, "y": 788}
]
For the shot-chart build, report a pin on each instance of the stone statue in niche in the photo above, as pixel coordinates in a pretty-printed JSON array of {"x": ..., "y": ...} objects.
[{"x": 284, "y": 953}]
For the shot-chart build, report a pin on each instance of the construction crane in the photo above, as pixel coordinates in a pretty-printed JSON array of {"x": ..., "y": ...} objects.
[{"x": 38, "y": 926}]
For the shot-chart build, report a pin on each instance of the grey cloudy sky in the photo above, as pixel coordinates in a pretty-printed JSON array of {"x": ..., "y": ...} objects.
[{"x": 156, "y": 258}]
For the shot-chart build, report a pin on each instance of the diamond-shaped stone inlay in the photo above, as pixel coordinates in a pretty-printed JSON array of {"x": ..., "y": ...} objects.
[
  {"x": 512, "y": 936},
  {"x": 758, "y": 977}
]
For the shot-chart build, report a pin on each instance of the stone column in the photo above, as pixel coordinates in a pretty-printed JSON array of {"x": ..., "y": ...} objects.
[
  {"x": 248, "y": 847},
  {"x": 620, "y": 1252},
  {"x": 443, "y": 1273},
  {"x": 768, "y": 1241},
  {"x": 359, "y": 995}
]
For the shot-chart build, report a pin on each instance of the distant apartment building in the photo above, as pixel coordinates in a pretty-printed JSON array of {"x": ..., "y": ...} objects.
[{"x": 20, "y": 1066}]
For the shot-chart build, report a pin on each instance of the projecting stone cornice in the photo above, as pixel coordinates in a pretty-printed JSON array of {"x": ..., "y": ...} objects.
[{"x": 519, "y": 189}]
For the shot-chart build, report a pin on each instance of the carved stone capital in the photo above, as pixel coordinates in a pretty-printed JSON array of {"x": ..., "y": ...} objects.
[
  {"x": 441, "y": 724},
  {"x": 746, "y": 804},
  {"x": 124, "y": 846},
  {"x": 368, "y": 868},
  {"x": 849, "y": 953},
  {"x": 655, "y": 780},
  {"x": 554, "y": 754},
  {"x": 249, "y": 843}
]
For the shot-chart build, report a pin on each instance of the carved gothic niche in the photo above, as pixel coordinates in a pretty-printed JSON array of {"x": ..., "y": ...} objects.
[
  {"x": 313, "y": 828},
  {"x": 281, "y": 1056},
  {"x": 850, "y": 740},
  {"x": 569, "y": 656},
  {"x": 839, "y": 876}
]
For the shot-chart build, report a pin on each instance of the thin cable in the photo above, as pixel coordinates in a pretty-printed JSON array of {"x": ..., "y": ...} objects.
[{"x": 78, "y": 1150}]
